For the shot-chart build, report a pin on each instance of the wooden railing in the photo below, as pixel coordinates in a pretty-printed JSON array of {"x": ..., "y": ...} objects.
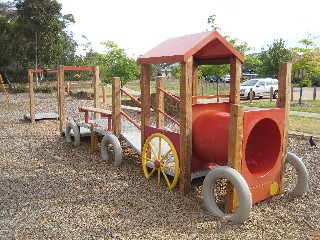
[{"x": 160, "y": 112}]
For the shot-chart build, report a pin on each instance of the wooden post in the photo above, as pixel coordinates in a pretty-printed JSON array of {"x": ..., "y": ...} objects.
[
  {"x": 234, "y": 152},
  {"x": 217, "y": 90},
  {"x": 291, "y": 94},
  {"x": 116, "y": 106},
  {"x": 251, "y": 95},
  {"x": 31, "y": 97},
  {"x": 283, "y": 102},
  {"x": 96, "y": 82},
  {"x": 185, "y": 126},
  {"x": 235, "y": 79},
  {"x": 145, "y": 100},
  {"x": 314, "y": 93},
  {"x": 159, "y": 103},
  {"x": 61, "y": 102},
  {"x": 235, "y": 130},
  {"x": 104, "y": 98},
  {"x": 271, "y": 94},
  {"x": 68, "y": 88},
  {"x": 94, "y": 140},
  {"x": 194, "y": 81}
]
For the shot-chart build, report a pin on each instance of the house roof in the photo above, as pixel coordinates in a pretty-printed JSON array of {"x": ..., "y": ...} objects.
[{"x": 207, "y": 47}]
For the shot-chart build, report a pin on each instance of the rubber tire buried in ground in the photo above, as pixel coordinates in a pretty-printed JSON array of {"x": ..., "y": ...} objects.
[
  {"x": 110, "y": 138},
  {"x": 244, "y": 195},
  {"x": 76, "y": 133}
]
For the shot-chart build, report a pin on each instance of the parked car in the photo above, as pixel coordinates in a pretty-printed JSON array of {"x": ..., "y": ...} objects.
[
  {"x": 211, "y": 78},
  {"x": 226, "y": 78},
  {"x": 260, "y": 88}
]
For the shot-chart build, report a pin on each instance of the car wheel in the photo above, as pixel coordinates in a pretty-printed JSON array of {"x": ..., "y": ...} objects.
[
  {"x": 275, "y": 94},
  {"x": 253, "y": 95}
]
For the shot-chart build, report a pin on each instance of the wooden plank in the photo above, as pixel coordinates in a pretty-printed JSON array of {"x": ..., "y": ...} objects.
[
  {"x": 95, "y": 110},
  {"x": 116, "y": 106},
  {"x": 235, "y": 79},
  {"x": 145, "y": 100},
  {"x": 283, "y": 101},
  {"x": 131, "y": 108},
  {"x": 185, "y": 126},
  {"x": 234, "y": 152},
  {"x": 96, "y": 82},
  {"x": 31, "y": 97},
  {"x": 62, "y": 113},
  {"x": 159, "y": 103},
  {"x": 194, "y": 81},
  {"x": 78, "y": 68}
]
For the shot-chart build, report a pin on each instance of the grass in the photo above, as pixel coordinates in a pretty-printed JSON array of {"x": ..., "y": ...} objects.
[
  {"x": 312, "y": 106},
  {"x": 304, "y": 124},
  {"x": 173, "y": 87},
  {"x": 296, "y": 123}
]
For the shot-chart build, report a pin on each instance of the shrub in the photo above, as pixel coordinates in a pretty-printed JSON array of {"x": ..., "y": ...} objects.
[{"x": 45, "y": 89}]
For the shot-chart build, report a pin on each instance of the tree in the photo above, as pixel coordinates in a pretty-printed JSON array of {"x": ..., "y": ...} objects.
[
  {"x": 220, "y": 70},
  {"x": 306, "y": 63},
  {"x": 115, "y": 63},
  {"x": 269, "y": 60},
  {"x": 33, "y": 35}
]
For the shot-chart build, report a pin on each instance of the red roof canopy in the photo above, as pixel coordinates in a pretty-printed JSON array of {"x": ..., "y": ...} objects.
[{"x": 210, "y": 47}]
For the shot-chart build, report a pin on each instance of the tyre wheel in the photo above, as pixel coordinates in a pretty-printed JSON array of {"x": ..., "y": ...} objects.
[
  {"x": 76, "y": 133},
  {"x": 302, "y": 181},
  {"x": 275, "y": 95},
  {"x": 244, "y": 195},
  {"x": 114, "y": 141}
]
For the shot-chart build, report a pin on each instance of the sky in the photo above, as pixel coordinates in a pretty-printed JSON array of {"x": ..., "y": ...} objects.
[{"x": 139, "y": 25}]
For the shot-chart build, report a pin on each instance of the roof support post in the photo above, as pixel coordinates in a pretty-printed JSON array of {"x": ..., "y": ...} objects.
[
  {"x": 283, "y": 101},
  {"x": 235, "y": 77},
  {"x": 145, "y": 100},
  {"x": 235, "y": 131},
  {"x": 186, "y": 80},
  {"x": 194, "y": 81}
]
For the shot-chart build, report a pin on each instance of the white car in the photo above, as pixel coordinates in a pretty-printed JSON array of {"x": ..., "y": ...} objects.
[{"x": 260, "y": 88}]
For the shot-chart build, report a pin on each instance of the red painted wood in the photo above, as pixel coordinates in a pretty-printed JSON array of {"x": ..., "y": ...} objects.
[{"x": 202, "y": 46}]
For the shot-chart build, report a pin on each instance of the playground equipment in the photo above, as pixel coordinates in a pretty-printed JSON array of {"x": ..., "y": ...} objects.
[
  {"x": 100, "y": 124},
  {"x": 33, "y": 116},
  {"x": 215, "y": 140}
]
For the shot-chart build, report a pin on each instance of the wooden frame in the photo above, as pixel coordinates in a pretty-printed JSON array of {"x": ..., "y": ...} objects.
[
  {"x": 61, "y": 90},
  {"x": 31, "y": 91}
]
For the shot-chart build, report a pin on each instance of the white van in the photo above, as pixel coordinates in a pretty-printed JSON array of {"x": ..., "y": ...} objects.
[{"x": 260, "y": 88}]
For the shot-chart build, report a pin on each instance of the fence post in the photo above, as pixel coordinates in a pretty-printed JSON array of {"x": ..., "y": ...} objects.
[
  {"x": 217, "y": 90},
  {"x": 251, "y": 95},
  {"x": 291, "y": 93},
  {"x": 314, "y": 93},
  {"x": 104, "y": 99},
  {"x": 68, "y": 88},
  {"x": 271, "y": 93}
]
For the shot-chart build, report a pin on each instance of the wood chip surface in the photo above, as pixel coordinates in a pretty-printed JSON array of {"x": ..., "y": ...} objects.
[{"x": 52, "y": 190}]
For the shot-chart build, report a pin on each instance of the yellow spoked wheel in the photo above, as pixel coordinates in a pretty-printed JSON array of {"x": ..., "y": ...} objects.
[{"x": 160, "y": 156}]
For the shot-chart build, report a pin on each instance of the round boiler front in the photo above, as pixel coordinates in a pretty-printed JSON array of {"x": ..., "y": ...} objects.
[
  {"x": 262, "y": 147},
  {"x": 210, "y": 133}
]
